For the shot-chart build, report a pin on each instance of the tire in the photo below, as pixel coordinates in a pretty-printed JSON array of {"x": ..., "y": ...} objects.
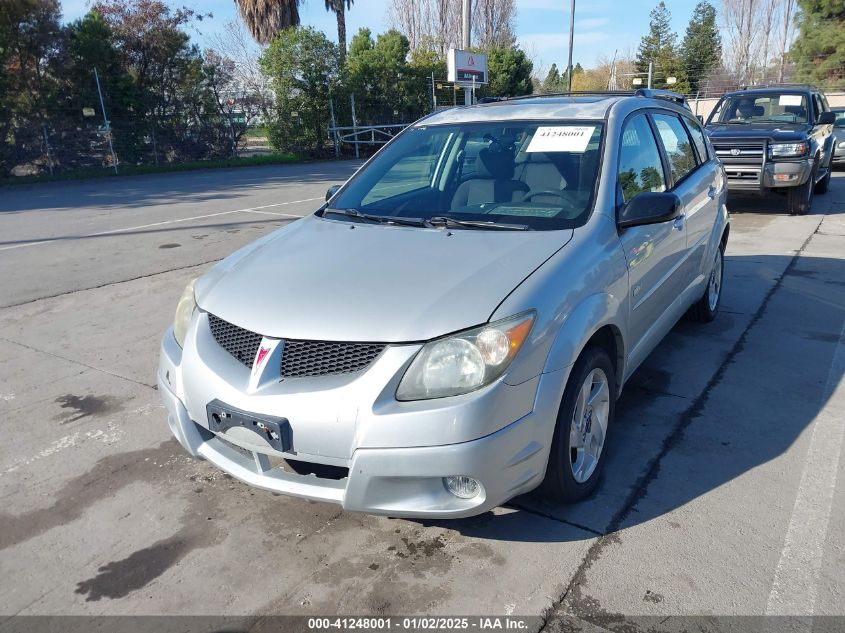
[
  {"x": 705, "y": 309},
  {"x": 573, "y": 472},
  {"x": 798, "y": 199}
]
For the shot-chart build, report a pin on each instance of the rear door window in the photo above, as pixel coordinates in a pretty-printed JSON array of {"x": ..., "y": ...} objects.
[
  {"x": 697, "y": 136},
  {"x": 676, "y": 143}
]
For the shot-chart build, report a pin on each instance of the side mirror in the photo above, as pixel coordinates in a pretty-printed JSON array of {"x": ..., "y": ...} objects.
[
  {"x": 331, "y": 191},
  {"x": 826, "y": 118},
  {"x": 649, "y": 207}
]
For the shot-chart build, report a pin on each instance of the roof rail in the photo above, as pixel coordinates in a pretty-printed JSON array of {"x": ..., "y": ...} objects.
[
  {"x": 669, "y": 95},
  {"x": 775, "y": 85},
  {"x": 648, "y": 93}
]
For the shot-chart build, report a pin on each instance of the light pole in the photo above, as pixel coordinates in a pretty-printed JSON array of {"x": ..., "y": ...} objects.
[
  {"x": 466, "y": 42},
  {"x": 571, "y": 38}
]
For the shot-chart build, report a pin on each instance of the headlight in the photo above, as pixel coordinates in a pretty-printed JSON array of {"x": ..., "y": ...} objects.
[
  {"x": 466, "y": 361},
  {"x": 787, "y": 150},
  {"x": 184, "y": 312}
]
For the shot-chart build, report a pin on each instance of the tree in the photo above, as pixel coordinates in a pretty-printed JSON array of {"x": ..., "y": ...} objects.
[
  {"x": 384, "y": 84},
  {"x": 510, "y": 73},
  {"x": 819, "y": 49},
  {"x": 234, "y": 43},
  {"x": 31, "y": 50},
  {"x": 702, "y": 45},
  {"x": 493, "y": 23},
  {"x": 303, "y": 67},
  {"x": 265, "y": 18},
  {"x": 659, "y": 48},
  {"x": 339, "y": 8},
  {"x": 552, "y": 82}
]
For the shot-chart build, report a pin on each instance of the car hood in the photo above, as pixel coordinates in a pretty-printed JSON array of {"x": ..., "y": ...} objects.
[
  {"x": 332, "y": 280},
  {"x": 771, "y": 131}
]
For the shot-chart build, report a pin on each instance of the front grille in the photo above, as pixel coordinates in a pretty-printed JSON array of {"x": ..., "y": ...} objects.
[
  {"x": 300, "y": 359},
  {"x": 326, "y": 358},
  {"x": 240, "y": 343},
  {"x": 750, "y": 151}
]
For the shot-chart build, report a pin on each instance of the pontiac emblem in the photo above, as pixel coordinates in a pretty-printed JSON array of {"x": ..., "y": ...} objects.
[{"x": 259, "y": 357}]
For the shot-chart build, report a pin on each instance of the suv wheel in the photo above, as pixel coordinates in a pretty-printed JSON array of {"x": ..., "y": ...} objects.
[
  {"x": 798, "y": 198},
  {"x": 579, "y": 445},
  {"x": 705, "y": 309}
]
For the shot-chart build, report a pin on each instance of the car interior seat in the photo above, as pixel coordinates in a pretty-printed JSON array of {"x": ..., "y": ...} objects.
[
  {"x": 799, "y": 112},
  {"x": 493, "y": 182}
]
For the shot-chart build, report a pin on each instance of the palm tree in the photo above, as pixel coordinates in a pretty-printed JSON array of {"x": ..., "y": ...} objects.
[
  {"x": 339, "y": 7},
  {"x": 265, "y": 18}
]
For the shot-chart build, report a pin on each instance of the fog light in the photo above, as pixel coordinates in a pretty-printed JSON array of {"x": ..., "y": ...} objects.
[
  {"x": 462, "y": 486},
  {"x": 785, "y": 177}
]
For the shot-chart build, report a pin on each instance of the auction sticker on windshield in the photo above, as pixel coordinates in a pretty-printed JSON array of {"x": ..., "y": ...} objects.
[
  {"x": 789, "y": 100},
  {"x": 561, "y": 138}
]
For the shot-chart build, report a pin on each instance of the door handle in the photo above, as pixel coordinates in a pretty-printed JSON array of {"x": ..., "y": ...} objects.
[
  {"x": 679, "y": 222},
  {"x": 711, "y": 192}
]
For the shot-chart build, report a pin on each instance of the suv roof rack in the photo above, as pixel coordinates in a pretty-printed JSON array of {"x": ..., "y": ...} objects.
[
  {"x": 775, "y": 85},
  {"x": 649, "y": 93}
]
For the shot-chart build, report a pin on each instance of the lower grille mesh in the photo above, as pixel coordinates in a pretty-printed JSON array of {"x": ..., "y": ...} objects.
[{"x": 300, "y": 359}]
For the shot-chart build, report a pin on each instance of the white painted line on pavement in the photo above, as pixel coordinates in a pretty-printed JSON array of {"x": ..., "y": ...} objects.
[
  {"x": 164, "y": 222},
  {"x": 794, "y": 587}
]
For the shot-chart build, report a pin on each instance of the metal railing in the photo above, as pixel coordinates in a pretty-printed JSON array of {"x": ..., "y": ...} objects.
[{"x": 357, "y": 135}]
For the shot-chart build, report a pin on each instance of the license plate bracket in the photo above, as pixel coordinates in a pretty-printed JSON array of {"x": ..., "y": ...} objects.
[{"x": 276, "y": 431}]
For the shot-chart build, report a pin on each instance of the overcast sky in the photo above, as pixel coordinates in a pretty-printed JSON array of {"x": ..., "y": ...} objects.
[{"x": 542, "y": 26}]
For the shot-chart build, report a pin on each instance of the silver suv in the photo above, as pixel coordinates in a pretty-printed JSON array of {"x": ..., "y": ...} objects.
[{"x": 453, "y": 327}]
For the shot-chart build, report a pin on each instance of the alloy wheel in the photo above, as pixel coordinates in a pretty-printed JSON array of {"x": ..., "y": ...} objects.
[{"x": 589, "y": 425}]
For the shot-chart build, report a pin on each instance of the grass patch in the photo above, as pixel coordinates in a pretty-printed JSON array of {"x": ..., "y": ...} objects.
[{"x": 135, "y": 170}]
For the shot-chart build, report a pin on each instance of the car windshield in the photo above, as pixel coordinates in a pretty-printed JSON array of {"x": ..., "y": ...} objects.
[
  {"x": 771, "y": 107},
  {"x": 531, "y": 175},
  {"x": 840, "y": 118}
]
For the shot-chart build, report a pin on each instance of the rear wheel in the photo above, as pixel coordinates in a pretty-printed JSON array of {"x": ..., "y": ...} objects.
[
  {"x": 798, "y": 199},
  {"x": 705, "y": 309},
  {"x": 579, "y": 445}
]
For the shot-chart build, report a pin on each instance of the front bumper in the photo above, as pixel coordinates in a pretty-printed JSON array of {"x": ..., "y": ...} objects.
[
  {"x": 401, "y": 481},
  {"x": 769, "y": 175}
]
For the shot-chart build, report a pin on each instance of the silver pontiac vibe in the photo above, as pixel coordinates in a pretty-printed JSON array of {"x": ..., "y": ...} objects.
[{"x": 454, "y": 326}]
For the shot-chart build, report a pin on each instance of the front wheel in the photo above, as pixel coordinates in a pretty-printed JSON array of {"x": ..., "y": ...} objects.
[
  {"x": 798, "y": 199},
  {"x": 579, "y": 445},
  {"x": 705, "y": 309}
]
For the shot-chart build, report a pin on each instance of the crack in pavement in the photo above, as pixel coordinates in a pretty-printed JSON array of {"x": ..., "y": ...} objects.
[
  {"x": 686, "y": 418},
  {"x": 80, "y": 363},
  {"x": 109, "y": 283}
]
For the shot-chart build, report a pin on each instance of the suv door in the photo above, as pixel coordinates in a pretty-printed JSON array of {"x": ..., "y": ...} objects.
[
  {"x": 694, "y": 178},
  {"x": 654, "y": 252}
]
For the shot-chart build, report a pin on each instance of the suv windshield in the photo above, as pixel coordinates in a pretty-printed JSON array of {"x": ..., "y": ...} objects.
[
  {"x": 538, "y": 175},
  {"x": 771, "y": 107},
  {"x": 840, "y": 118}
]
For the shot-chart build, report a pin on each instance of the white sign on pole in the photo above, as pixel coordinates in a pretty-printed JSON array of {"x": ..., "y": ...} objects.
[{"x": 466, "y": 67}]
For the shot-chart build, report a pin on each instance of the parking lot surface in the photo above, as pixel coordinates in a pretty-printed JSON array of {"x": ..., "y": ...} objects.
[{"x": 724, "y": 493}]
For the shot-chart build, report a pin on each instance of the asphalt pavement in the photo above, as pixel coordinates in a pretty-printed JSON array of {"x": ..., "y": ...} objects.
[{"x": 724, "y": 493}]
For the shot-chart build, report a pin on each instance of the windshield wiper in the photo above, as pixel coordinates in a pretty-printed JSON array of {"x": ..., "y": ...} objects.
[
  {"x": 381, "y": 219},
  {"x": 447, "y": 222}
]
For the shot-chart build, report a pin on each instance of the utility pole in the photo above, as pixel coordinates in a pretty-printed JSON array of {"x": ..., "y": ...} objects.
[
  {"x": 466, "y": 41},
  {"x": 650, "y": 73},
  {"x": 571, "y": 39},
  {"x": 106, "y": 121}
]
